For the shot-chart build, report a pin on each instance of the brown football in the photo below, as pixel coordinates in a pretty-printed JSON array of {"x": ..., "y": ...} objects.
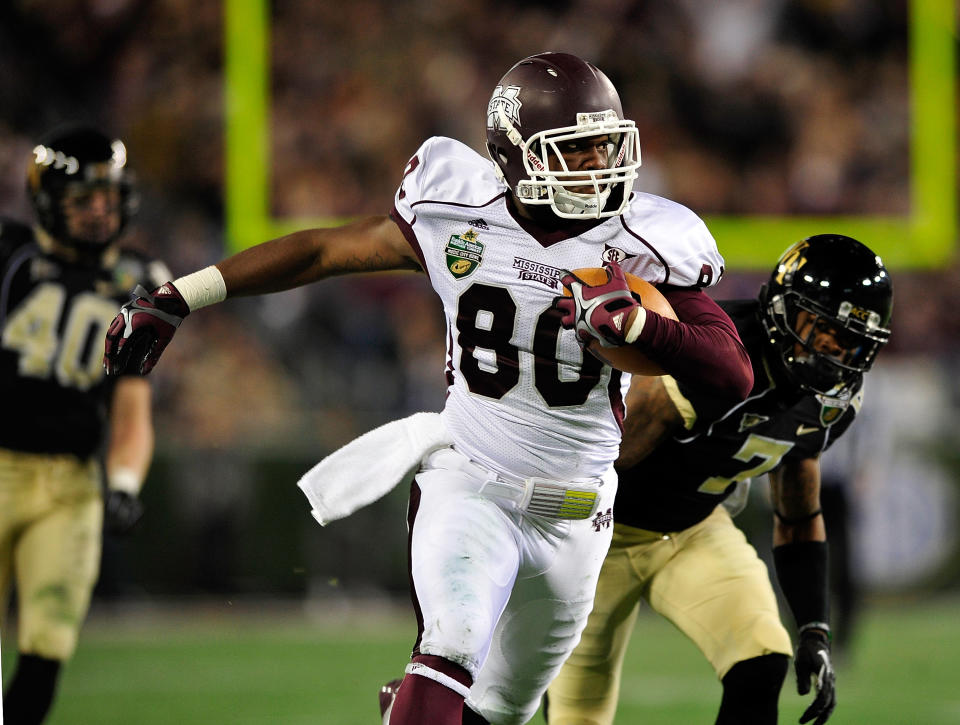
[{"x": 627, "y": 358}]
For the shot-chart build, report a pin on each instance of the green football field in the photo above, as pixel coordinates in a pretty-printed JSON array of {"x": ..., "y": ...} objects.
[{"x": 249, "y": 664}]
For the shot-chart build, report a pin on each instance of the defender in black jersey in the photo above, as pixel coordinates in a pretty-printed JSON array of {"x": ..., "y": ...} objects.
[
  {"x": 61, "y": 283},
  {"x": 815, "y": 330}
]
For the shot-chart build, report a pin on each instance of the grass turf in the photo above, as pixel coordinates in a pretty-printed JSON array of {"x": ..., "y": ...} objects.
[{"x": 216, "y": 664}]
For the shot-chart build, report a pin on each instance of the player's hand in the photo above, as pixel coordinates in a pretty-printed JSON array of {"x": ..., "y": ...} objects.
[
  {"x": 812, "y": 664},
  {"x": 138, "y": 335},
  {"x": 599, "y": 312},
  {"x": 121, "y": 512}
]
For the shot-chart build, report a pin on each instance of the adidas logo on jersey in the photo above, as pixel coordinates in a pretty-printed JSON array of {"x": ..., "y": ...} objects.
[{"x": 478, "y": 223}]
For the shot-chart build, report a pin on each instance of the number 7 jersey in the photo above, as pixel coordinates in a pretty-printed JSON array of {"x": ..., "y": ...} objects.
[{"x": 523, "y": 397}]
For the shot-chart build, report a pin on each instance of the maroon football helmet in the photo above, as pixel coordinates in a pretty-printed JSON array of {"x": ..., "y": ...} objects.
[{"x": 542, "y": 106}]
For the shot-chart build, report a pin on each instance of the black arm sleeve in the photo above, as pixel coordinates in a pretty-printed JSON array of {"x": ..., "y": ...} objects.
[{"x": 802, "y": 572}]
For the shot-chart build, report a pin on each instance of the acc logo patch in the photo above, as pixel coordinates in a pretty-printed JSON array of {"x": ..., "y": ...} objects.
[
  {"x": 830, "y": 413},
  {"x": 464, "y": 253}
]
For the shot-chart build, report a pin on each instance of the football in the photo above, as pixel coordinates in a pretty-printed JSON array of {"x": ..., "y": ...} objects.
[{"x": 627, "y": 358}]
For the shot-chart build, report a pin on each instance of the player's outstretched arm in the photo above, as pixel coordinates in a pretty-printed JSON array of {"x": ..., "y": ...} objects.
[
  {"x": 800, "y": 557},
  {"x": 146, "y": 324},
  {"x": 368, "y": 245}
]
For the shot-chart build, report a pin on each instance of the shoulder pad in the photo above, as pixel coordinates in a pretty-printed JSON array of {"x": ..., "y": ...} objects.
[
  {"x": 446, "y": 171},
  {"x": 134, "y": 267},
  {"x": 678, "y": 237},
  {"x": 14, "y": 232}
]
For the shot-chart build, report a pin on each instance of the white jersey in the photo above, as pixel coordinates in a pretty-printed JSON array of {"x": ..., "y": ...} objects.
[{"x": 523, "y": 398}]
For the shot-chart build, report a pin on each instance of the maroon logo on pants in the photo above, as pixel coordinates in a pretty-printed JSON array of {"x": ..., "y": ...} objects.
[{"x": 603, "y": 519}]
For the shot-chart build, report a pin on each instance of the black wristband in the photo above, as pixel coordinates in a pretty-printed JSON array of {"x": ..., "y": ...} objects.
[{"x": 802, "y": 573}]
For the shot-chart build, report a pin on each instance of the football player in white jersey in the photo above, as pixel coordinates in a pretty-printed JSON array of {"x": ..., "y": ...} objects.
[{"x": 508, "y": 526}]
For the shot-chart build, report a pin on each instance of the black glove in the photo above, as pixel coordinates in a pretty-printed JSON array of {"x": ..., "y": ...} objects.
[
  {"x": 121, "y": 512},
  {"x": 812, "y": 662}
]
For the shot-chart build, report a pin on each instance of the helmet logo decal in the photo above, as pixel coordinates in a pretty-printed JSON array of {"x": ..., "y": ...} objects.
[
  {"x": 594, "y": 118},
  {"x": 46, "y": 156},
  {"x": 869, "y": 318},
  {"x": 464, "y": 253},
  {"x": 506, "y": 100},
  {"x": 792, "y": 261}
]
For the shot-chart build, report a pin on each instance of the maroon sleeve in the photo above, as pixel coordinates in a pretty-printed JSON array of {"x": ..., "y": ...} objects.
[{"x": 703, "y": 349}]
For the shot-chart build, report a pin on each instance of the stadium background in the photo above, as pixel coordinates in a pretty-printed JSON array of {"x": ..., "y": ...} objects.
[{"x": 773, "y": 119}]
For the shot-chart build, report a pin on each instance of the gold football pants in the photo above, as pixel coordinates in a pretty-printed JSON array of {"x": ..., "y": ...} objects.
[
  {"x": 707, "y": 580},
  {"x": 51, "y": 513}
]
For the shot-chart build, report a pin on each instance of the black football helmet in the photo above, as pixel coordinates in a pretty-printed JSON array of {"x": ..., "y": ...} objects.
[
  {"x": 78, "y": 158},
  {"x": 550, "y": 100},
  {"x": 832, "y": 284}
]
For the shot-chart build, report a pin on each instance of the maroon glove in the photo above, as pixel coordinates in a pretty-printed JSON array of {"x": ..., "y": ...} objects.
[
  {"x": 138, "y": 335},
  {"x": 600, "y": 312}
]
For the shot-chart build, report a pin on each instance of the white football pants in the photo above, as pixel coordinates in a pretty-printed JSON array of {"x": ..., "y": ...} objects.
[{"x": 502, "y": 593}]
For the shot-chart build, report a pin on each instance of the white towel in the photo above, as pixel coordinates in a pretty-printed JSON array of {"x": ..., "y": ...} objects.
[{"x": 369, "y": 467}]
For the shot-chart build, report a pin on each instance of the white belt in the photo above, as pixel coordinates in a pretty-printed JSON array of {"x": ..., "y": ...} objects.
[{"x": 538, "y": 496}]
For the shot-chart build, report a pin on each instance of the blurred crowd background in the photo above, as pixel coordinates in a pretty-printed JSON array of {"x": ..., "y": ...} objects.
[{"x": 744, "y": 107}]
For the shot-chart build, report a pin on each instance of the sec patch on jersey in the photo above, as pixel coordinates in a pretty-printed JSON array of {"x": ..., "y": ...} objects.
[{"x": 627, "y": 358}]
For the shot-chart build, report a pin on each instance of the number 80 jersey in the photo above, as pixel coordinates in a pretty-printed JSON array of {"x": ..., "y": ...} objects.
[
  {"x": 53, "y": 318},
  {"x": 523, "y": 397}
]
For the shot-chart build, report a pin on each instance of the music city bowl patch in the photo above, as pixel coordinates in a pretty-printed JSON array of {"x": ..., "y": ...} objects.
[
  {"x": 464, "y": 253},
  {"x": 829, "y": 414},
  {"x": 832, "y": 408}
]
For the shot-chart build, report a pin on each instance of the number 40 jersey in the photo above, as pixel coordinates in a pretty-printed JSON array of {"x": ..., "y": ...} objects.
[
  {"x": 523, "y": 398},
  {"x": 53, "y": 318}
]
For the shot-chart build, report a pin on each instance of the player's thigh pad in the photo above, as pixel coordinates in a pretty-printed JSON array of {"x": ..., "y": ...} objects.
[
  {"x": 18, "y": 504},
  {"x": 587, "y": 687},
  {"x": 57, "y": 556},
  {"x": 546, "y": 614},
  {"x": 464, "y": 560},
  {"x": 717, "y": 591}
]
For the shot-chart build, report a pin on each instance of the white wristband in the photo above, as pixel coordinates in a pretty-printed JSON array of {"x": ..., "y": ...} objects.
[
  {"x": 124, "y": 479},
  {"x": 202, "y": 288},
  {"x": 636, "y": 326}
]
